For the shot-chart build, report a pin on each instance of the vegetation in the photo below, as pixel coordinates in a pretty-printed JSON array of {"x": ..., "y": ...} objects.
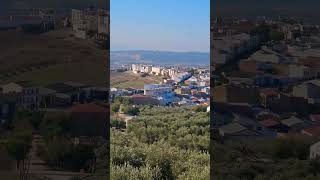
[
  {"x": 162, "y": 143},
  {"x": 61, "y": 59},
  {"x": 130, "y": 110},
  {"x": 115, "y": 107},
  {"x": 83, "y": 72},
  {"x": 18, "y": 145},
  {"x": 265, "y": 159},
  {"x": 130, "y": 80},
  {"x": 122, "y": 100},
  {"x": 59, "y": 149},
  {"x": 268, "y": 32},
  {"x": 200, "y": 108},
  {"x": 62, "y": 153},
  {"x": 118, "y": 124},
  {"x": 276, "y": 35},
  {"x": 144, "y": 75}
]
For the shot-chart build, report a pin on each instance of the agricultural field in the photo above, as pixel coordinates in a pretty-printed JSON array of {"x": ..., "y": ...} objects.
[
  {"x": 130, "y": 80},
  {"x": 83, "y": 72},
  {"x": 50, "y": 57},
  {"x": 161, "y": 143}
]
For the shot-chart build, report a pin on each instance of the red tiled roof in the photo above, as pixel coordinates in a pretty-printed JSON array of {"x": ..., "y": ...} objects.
[
  {"x": 314, "y": 130},
  {"x": 269, "y": 123},
  {"x": 88, "y": 107}
]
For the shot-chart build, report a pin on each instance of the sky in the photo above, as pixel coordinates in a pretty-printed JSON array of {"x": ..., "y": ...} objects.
[{"x": 161, "y": 25}]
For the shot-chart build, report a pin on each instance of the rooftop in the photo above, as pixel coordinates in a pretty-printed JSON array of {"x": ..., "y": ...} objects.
[
  {"x": 313, "y": 131},
  {"x": 291, "y": 121},
  {"x": 232, "y": 128},
  {"x": 269, "y": 123}
]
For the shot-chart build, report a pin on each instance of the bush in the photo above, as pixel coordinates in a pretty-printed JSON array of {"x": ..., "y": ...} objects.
[
  {"x": 61, "y": 153},
  {"x": 123, "y": 100},
  {"x": 118, "y": 124},
  {"x": 130, "y": 110},
  {"x": 144, "y": 75},
  {"x": 115, "y": 107}
]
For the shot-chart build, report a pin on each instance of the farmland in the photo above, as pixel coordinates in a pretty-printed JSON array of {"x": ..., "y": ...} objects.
[
  {"x": 49, "y": 58},
  {"x": 131, "y": 80}
]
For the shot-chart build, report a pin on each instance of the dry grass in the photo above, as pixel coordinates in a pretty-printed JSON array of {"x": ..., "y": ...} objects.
[
  {"x": 51, "y": 57},
  {"x": 129, "y": 79}
]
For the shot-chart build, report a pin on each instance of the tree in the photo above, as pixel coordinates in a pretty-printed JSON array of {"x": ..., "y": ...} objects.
[
  {"x": 130, "y": 110},
  {"x": 118, "y": 124},
  {"x": 276, "y": 35},
  {"x": 162, "y": 143},
  {"x": 144, "y": 75},
  {"x": 55, "y": 124},
  {"x": 62, "y": 153},
  {"x": 191, "y": 71},
  {"x": 123, "y": 100},
  {"x": 115, "y": 107},
  {"x": 18, "y": 146},
  {"x": 262, "y": 30},
  {"x": 36, "y": 119}
]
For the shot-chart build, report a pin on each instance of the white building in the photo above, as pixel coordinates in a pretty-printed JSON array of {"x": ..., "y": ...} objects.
[
  {"x": 84, "y": 21},
  {"x": 90, "y": 23},
  {"x": 315, "y": 151},
  {"x": 301, "y": 72},
  {"x": 172, "y": 72},
  {"x": 266, "y": 55},
  {"x": 156, "y": 70},
  {"x": 141, "y": 68},
  {"x": 156, "y": 89}
]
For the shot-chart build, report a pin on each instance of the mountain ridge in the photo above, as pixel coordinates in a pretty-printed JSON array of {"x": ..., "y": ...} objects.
[{"x": 160, "y": 57}]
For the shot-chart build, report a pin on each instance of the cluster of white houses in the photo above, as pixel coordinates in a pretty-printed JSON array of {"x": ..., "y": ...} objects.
[
  {"x": 90, "y": 23},
  {"x": 182, "y": 88},
  {"x": 157, "y": 70}
]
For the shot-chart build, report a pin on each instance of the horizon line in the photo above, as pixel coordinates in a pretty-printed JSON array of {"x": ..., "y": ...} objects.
[{"x": 174, "y": 51}]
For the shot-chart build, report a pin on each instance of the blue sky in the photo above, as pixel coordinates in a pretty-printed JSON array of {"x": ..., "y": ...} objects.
[{"x": 164, "y": 25}]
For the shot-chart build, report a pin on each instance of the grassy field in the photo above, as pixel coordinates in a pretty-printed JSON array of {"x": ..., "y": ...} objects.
[
  {"x": 131, "y": 80},
  {"x": 52, "y": 57},
  {"x": 83, "y": 72}
]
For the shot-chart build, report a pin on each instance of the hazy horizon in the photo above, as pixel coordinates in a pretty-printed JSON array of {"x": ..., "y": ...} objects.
[
  {"x": 166, "y": 25},
  {"x": 163, "y": 51}
]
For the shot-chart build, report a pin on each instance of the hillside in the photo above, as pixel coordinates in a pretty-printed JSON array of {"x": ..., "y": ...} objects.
[
  {"x": 50, "y": 57},
  {"x": 131, "y": 80}
]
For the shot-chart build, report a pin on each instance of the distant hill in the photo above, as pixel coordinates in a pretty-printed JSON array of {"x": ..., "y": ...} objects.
[{"x": 160, "y": 57}]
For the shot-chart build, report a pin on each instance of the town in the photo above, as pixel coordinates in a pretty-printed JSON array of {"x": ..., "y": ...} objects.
[
  {"x": 180, "y": 86},
  {"x": 266, "y": 79},
  {"x": 42, "y": 114}
]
